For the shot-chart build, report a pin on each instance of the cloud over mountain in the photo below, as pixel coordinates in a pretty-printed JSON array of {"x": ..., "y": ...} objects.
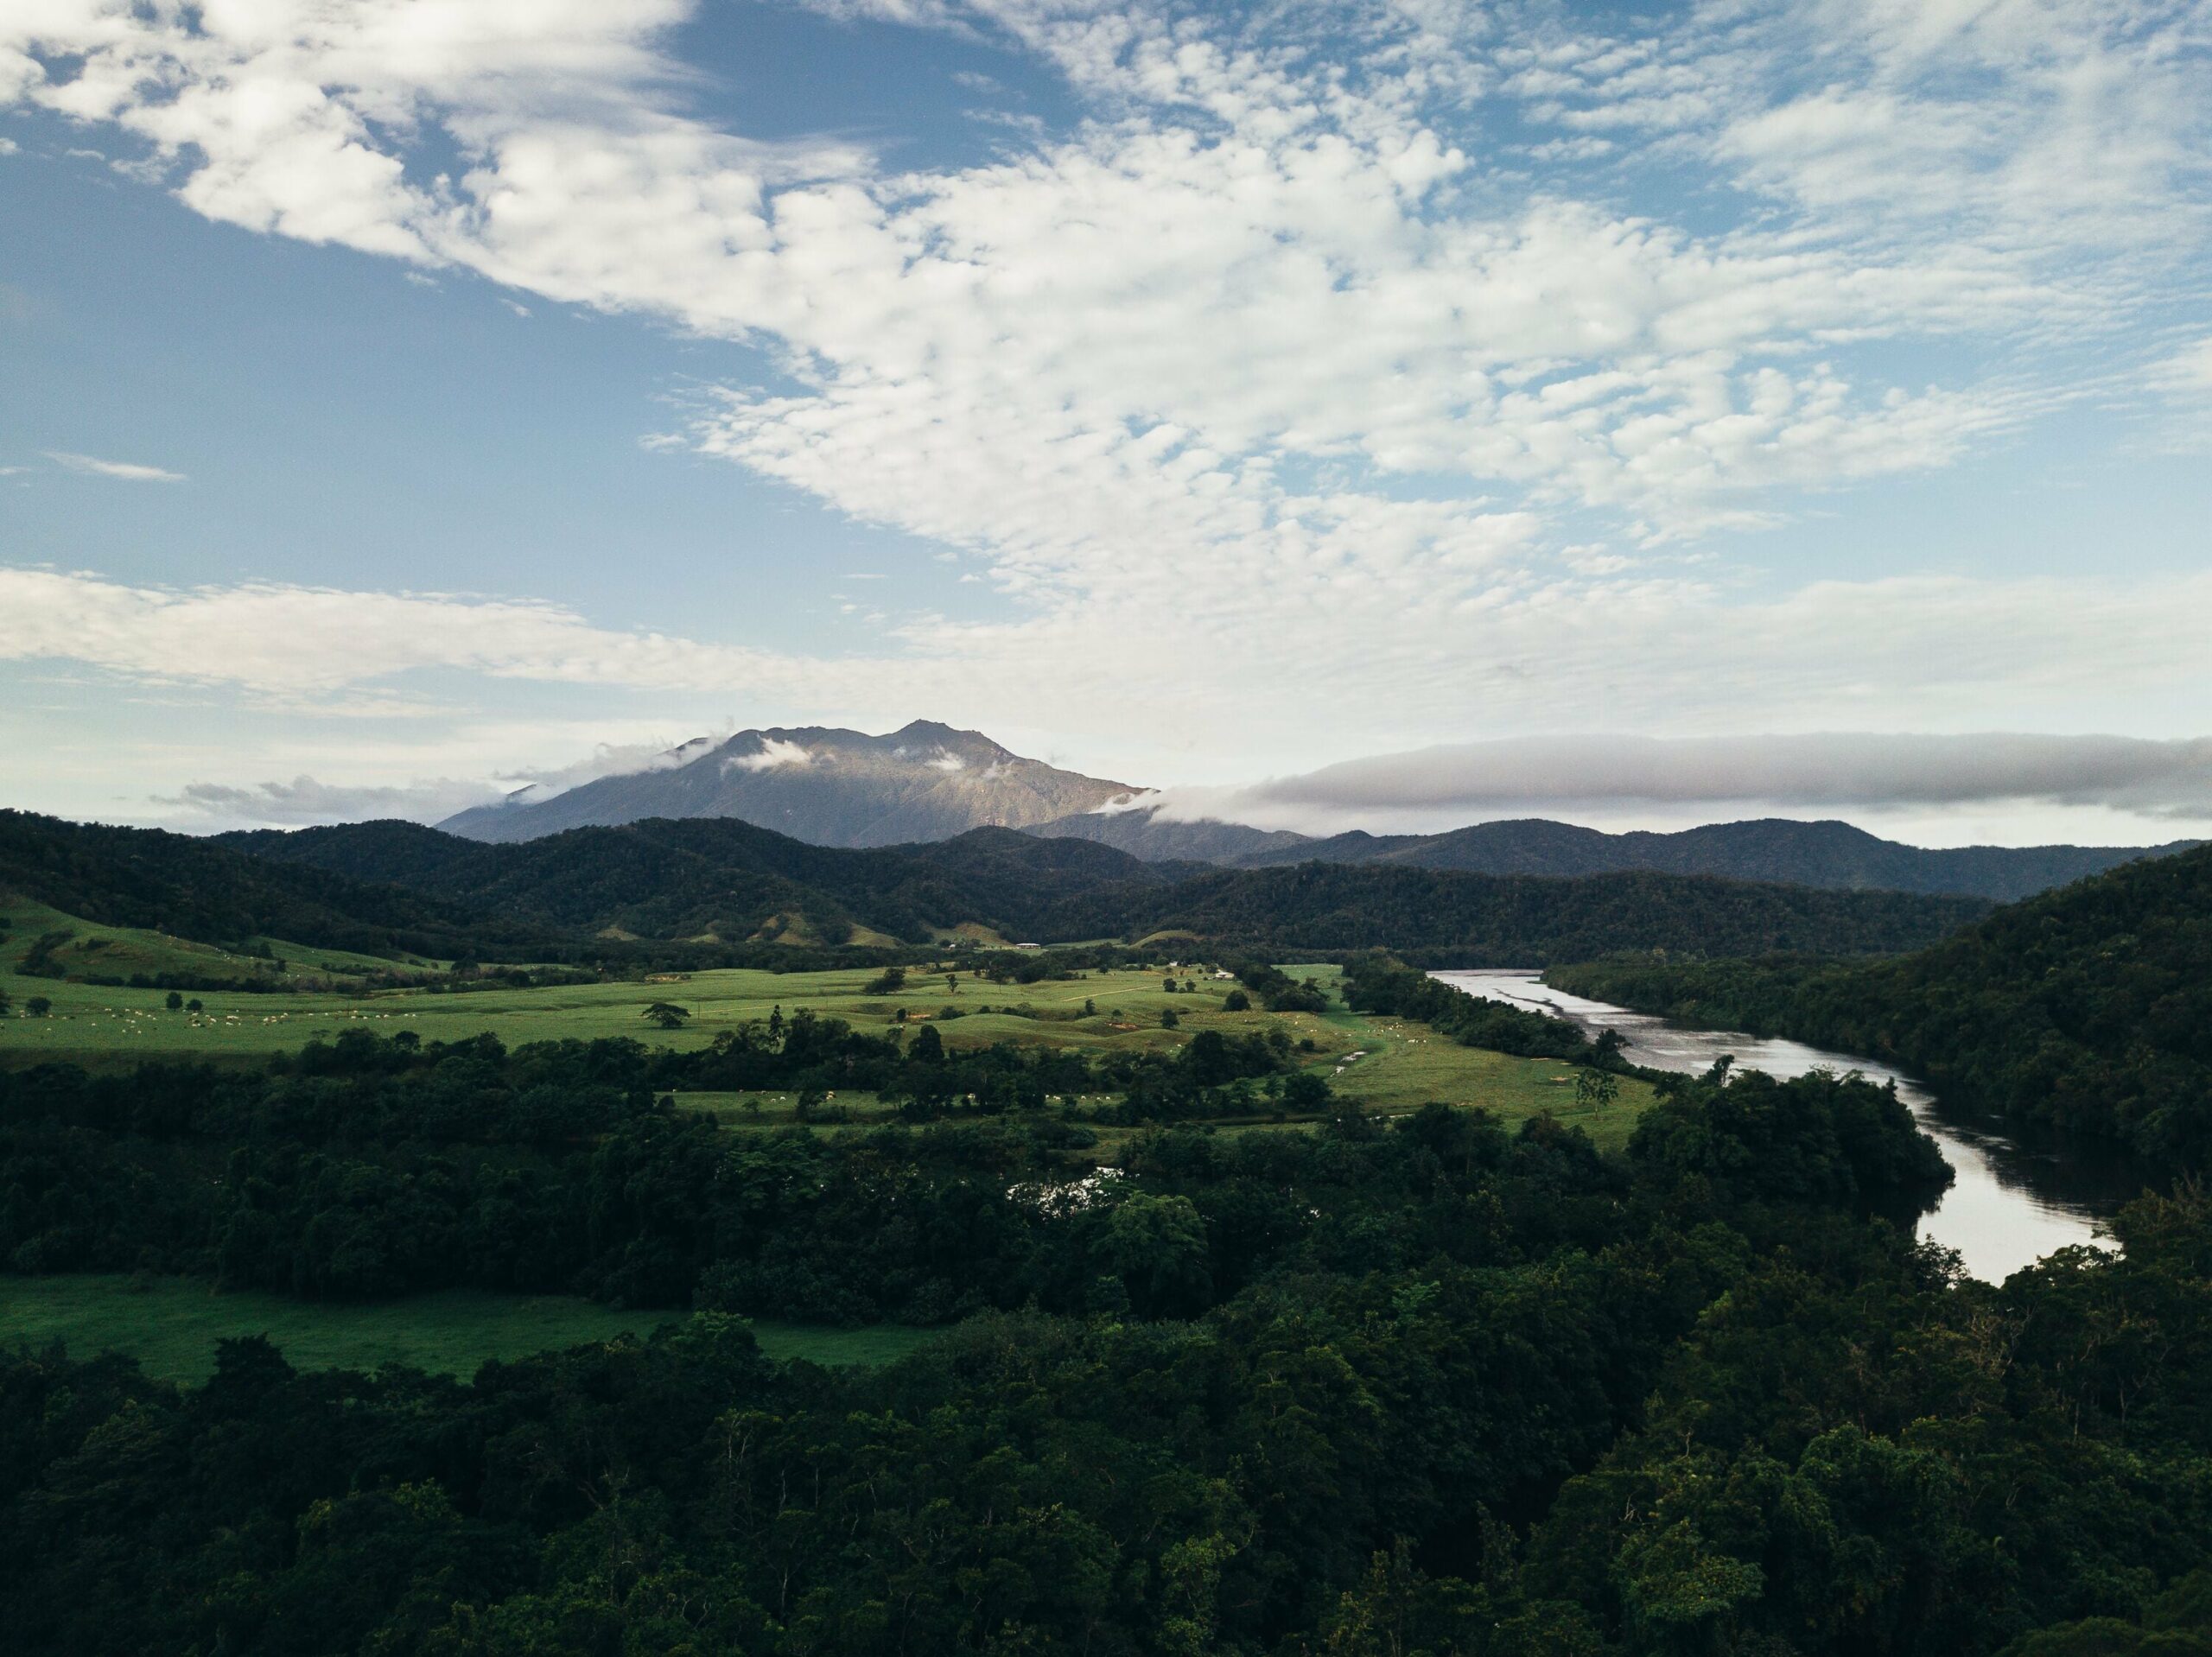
[{"x": 1819, "y": 773}]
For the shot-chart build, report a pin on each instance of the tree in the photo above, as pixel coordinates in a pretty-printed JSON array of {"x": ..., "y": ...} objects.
[
  {"x": 1595, "y": 1089},
  {"x": 4, "y": 1004},
  {"x": 1168, "y": 1019},
  {"x": 38, "y": 1007},
  {"x": 1237, "y": 1001},
  {"x": 889, "y": 981},
  {"x": 667, "y": 1015},
  {"x": 1089, "y": 1006},
  {"x": 174, "y": 1002},
  {"x": 1157, "y": 1246},
  {"x": 195, "y": 1005}
]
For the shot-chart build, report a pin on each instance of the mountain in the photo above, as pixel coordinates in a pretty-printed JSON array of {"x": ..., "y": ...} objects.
[
  {"x": 1830, "y": 854},
  {"x": 830, "y": 787},
  {"x": 2088, "y": 1008}
]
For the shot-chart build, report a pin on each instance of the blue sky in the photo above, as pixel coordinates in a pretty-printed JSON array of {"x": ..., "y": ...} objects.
[{"x": 408, "y": 399}]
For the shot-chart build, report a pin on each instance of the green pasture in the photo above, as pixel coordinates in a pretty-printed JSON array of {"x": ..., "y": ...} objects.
[
  {"x": 1404, "y": 1066},
  {"x": 1391, "y": 1066},
  {"x": 93, "y": 1023},
  {"x": 171, "y": 1325}
]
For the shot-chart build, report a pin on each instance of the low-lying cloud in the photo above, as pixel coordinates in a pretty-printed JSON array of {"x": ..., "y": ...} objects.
[
  {"x": 1825, "y": 771},
  {"x": 613, "y": 760},
  {"x": 305, "y": 801},
  {"x": 775, "y": 753}
]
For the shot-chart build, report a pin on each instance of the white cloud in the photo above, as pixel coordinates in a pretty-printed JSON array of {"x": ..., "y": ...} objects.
[
  {"x": 1825, "y": 770},
  {"x": 774, "y": 753},
  {"x": 1264, "y": 249},
  {"x": 611, "y": 759},
  {"x": 1626, "y": 649},
  {"x": 2188, "y": 371},
  {"x": 288, "y": 640},
  {"x": 123, "y": 470}
]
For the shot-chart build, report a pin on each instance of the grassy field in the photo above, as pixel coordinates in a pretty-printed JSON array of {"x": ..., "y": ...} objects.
[
  {"x": 1404, "y": 1065},
  {"x": 1389, "y": 1064},
  {"x": 171, "y": 1325},
  {"x": 89, "y": 1022}
]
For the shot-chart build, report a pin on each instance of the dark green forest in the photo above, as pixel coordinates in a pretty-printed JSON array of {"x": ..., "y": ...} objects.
[
  {"x": 2088, "y": 1008},
  {"x": 1421, "y": 1386},
  {"x": 369, "y": 1167}
]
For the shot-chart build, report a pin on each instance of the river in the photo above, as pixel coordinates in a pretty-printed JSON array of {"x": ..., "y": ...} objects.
[{"x": 2019, "y": 1195}]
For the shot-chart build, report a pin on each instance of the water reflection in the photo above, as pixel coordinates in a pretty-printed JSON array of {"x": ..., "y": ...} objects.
[{"x": 2018, "y": 1194}]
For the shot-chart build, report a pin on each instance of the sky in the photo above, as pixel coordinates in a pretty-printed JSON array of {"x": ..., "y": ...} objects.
[{"x": 1392, "y": 413}]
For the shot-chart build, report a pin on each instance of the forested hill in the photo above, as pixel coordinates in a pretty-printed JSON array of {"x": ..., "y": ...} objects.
[
  {"x": 196, "y": 888},
  {"x": 2090, "y": 1007},
  {"x": 693, "y": 876},
  {"x": 700, "y": 876},
  {"x": 727, "y": 885}
]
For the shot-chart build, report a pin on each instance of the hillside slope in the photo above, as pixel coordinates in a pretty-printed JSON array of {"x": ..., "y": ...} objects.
[{"x": 2090, "y": 1007}]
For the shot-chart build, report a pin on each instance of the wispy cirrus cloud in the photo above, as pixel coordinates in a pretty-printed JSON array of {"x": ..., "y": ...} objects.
[{"x": 91, "y": 465}]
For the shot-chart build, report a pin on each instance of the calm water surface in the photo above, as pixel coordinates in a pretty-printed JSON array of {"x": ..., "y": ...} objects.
[{"x": 2018, "y": 1196}]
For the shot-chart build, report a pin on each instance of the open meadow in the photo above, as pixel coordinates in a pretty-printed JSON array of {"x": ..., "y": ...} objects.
[{"x": 171, "y": 1325}]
